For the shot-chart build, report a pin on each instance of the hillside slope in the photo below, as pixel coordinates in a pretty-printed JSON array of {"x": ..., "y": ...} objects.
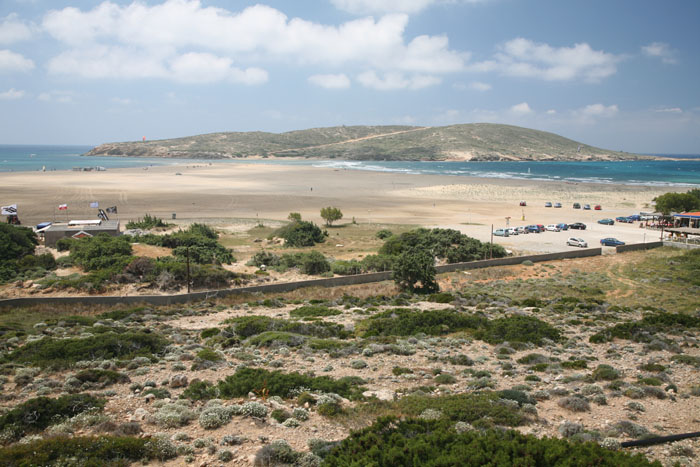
[{"x": 476, "y": 141}]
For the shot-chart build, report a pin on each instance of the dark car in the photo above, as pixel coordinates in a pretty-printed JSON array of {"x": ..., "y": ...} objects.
[
  {"x": 577, "y": 206},
  {"x": 563, "y": 226},
  {"x": 606, "y": 221},
  {"x": 635, "y": 217},
  {"x": 623, "y": 219},
  {"x": 578, "y": 226},
  {"x": 532, "y": 228},
  {"x": 611, "y": 242},
  {"x": 557, "y": 205},
  {"x": 548, "y": 204}
]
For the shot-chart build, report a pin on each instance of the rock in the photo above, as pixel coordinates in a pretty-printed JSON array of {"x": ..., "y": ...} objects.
[
  {"x": 149, "y": 398},
  {"x": 178, "y": 381},
  {"x": 139, "y": 415},
  {"x": 381, "y": 394}
]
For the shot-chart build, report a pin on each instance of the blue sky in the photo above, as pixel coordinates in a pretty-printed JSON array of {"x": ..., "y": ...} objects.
[{"x": 617, "y": 74}]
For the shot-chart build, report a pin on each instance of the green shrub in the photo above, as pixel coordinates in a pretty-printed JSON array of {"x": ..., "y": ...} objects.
[
  {"x": 280, "y": 415},
  {"x": 159, "y": 393},
  {"x": 108, "y": 451},
  {"x": 404, "y": 322},
  {"x": 101, "y": 252},
  {"x": 209, "y": 355},
  {"x": 200, "y": 390},
  {"x": 517, "y": 329},
  {"x": 209, "y": 332},
  {"x": 520, "y": 397},
  {"x": 277, "y": 383},
  {"x": 399, "y": 370},
  {"x": 55, "y": 353},
  {"x": 447, "y": 244},
  {"x": 605, "y": 372},
  {"x": 331, "y": 214},
  {"x": 37, "y": 414},
  {"x": 435, "y": 442},
  {"x": 16, "y": 242},
  {"x": 264, "y": 258},
  {"x": 445, "y": 378},
  {"x": 148, "y": 222},
  {"x": 64, "y": 244},
  {"x": 646, "y": 329},
  {"x": 276, "y": 339},
  {"x": 300, "y": 234},
  {"x": 687, "y": 360},
  {"x": 308, "y": 311},
  {"x": 575, "y": 364},
  {"x": 442, "y": 297},
  {"x": 378, "y": 263},
  {"x": 346, "y": 268},
  {"x": 414, "y": 271},
  {"x": 246, "y": 326},
  {"x": 383, "y": 234},
  {"x": 102, "y": 377}
]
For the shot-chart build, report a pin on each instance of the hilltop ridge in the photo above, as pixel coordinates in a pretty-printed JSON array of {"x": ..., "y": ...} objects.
[{"x": 463, "y": 142}]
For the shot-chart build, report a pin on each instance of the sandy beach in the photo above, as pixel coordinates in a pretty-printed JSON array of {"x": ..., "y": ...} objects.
[{"x": 222, "y": 194}]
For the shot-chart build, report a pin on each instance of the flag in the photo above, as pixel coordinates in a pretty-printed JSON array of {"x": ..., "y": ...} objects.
[
  {"x": 10, "y": 210},
  {"x": 94, "y": 204},
  {"x": 62, "y": 207},
  {"x": 112, "y": 210},
  {"x": 102, "y": 215}
]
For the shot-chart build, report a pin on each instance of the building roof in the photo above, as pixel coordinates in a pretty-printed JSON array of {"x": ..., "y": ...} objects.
[
  {"x": 683, "y": 230},
  {"x": 102, "y": 226},
  {"x": 688, "y": 215}
]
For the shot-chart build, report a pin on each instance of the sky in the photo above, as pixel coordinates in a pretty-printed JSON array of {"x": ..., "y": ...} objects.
[{"x": 621, "y": 75}]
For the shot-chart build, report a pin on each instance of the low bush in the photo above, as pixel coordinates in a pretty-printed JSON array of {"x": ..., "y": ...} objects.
[
  {"x": 646, "y": 329},
  {"x": 247, "y": 326},
  {"x": 687, "y": 360},
  {"x": 378, "y": 263},
  {"x": 309, "y": 311},
  {"x": 277, "y": 383},
  {"x": 200, "y": 390},
  {"x": 517, "y": 329},
  {"x": 55, "y": 353},
  {"x": 346, "y": 268},
  {"x": 405, "y": 322},
  {"x": 108, "y": 451},
  {"x": 264, "y": 258},
  {"x": 435, "y": 442},
  {"x": 35, "y": 415},
  {"x": 383, "y": 234},
  {"x": 605, "y": 373},
  {"x": 300, "y": 234},
  {"x": 102, "y": 377},
  {"x": 148, "y": 222}
]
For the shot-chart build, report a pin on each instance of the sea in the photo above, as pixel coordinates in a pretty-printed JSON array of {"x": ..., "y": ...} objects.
[{"x": 678, "y": 170}]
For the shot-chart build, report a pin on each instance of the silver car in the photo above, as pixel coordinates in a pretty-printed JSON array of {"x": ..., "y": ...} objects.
[{"x": 575, "y": 241}]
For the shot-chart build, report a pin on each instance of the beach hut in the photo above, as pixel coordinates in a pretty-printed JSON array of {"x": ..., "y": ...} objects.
[{"x": 79, "y": 229}]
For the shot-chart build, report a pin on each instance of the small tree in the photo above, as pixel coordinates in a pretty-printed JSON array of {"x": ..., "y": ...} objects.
[
  {"x": 415, "y": 267},
  {"x": 331, "y": 214},
  {"x": 294, "y": 217},
  {"x": 677, "y": 202}
]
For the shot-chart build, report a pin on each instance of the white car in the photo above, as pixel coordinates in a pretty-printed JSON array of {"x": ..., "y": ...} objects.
[
  {"x": 521, "y": 230},
  {"x": 512, "y": 231},
  {"x": 575, "y": 241},
  {"x": 552, "y": 228}
]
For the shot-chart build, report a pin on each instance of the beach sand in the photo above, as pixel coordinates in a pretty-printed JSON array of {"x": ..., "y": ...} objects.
[{"x": 222, "y": 193}]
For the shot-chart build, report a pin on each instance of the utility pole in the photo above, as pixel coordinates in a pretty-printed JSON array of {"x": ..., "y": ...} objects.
[
  {"x": 491, "y": 244},
  {"x": 188, "y": 269}
]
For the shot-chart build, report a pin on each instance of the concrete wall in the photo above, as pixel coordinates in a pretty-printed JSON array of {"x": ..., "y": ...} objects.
[
  {"x": 682, "y": 245},
  {"x": 638, "y": 246},
  {"x": 286, "y": 286}
]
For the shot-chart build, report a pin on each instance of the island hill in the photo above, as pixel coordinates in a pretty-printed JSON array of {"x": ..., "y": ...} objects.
[{"x": 466, "y": 142}]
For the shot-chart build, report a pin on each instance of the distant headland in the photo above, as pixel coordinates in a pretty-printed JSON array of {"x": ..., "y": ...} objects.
[{"x": 465, "y": 142}]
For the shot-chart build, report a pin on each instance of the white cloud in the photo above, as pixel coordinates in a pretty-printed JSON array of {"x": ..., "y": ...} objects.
[
  {"x": 525, "y": 58},
  {"x": 551, "y": 112},
  {"x": 479, "y": 86},
  {"x": 394, "y": 80},
  {"x": 660, "y": 50},
  {"x": 521, "y": 109},
  {"x": 339, "y": 81},
  {"x": 362, "y": 7},
  {"x": 13, "y": 30},
  {"x": 138, "y": 40},
  {"x": 11, "y": 61},
  {"x": 11, "y": 94},
  {"x": 670, "y": 110},
  {"x": 598, "y": 110},
  {"x": 62, "y": 97}
]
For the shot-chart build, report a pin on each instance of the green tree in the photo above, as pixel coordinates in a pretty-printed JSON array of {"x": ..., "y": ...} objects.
[
  {"x": 294, "y": 217},
  {"x": 415, "y": 267},
  {"x": 16, "y": 242},
  {"x": 302, "y": 233},
  {"x": 677, "y": 202},
  {"x": 331, "y": 214}
]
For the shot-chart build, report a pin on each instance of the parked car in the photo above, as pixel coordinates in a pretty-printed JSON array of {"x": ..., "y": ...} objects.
[
  {"x": 576, "y": 241},
  {"x": 587, "y": 207},
  {"x": 623, "y": 219},
  {"x": 557, "y": 205},
  {"x": 541, "y": 227},
  {"x": 553, "y": 228},
  {"x": 598, "y": 207},
  {"x": 500, "y": 233},
  {"x": 511, "y": 231},
  {"x": 611, "y": 242},
  {"x": 578, "y": 226},
  {"x": 577, "y": 206},
  {"x": 521, "y": 230},
  {"x": 606, "y": 222},
  {"x": 548, "y": 204},
  {"x": 523, "y": 203},
  {"x": 563, "y": 226},
  {"x": 635, "y": 217},
  {"x": 532, "y": 228}
]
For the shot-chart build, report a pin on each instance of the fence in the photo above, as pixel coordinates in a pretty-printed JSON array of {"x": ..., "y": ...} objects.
[
  {"x": 638, "y": 246},
  {"x": 289, "y": 286}
]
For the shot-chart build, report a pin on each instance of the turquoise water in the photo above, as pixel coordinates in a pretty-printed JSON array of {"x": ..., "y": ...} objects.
[{"x": 685, "y": 172}]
